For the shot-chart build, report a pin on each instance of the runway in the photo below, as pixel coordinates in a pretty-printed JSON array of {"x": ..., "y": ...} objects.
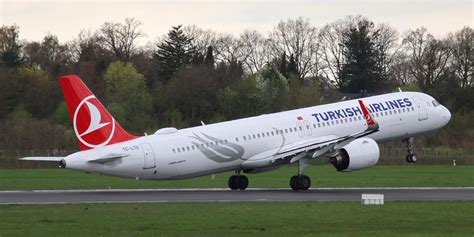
[{"x": 225, "y": 195}]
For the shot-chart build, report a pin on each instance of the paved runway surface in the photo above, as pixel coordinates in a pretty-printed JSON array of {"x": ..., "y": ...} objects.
[{"x": 225, "y": 195}]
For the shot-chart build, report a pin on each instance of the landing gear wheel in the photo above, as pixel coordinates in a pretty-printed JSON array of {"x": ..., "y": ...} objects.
[
  {"x": 304, "y": 182},
  {"x": 294, "y": 183},
  {"x": 412, "y": 158},
  {"x": 300, "y": 182},
  {"x": 243, "y": 182},
  {"x": 238, "y": 182},
  {"x": 233, "y": 182}
]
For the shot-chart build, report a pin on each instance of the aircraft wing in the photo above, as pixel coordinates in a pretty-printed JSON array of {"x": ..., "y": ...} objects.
[
  {"x": 43, "y": 158},
  {"x": 322, "y": 145}
]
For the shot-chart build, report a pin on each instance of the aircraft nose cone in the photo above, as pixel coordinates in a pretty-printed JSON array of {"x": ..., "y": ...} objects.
[{"x": 446, "y": 116}]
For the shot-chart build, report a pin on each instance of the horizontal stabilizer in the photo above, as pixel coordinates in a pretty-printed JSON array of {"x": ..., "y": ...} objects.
[{"x": 43, "y": 158}]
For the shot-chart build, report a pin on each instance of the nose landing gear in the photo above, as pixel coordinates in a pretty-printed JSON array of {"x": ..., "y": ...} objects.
[{"x": 411, "y": 156}]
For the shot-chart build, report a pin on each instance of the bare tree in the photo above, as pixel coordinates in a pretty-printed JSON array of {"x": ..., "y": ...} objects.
[
  {"x": 202, "y": 38},
  {"x": 121, "y": 38},
  {"x": 10, "y": 45},
  {"x": 429, "y": 56},
  {"x": 331, "y": 38},
  {"x": 228, "y": 49},
  {"x": 257, "y": 50},
  {"x": 299, "y": 38},
  {"x": 50, "y": 55},
  {"x": 400, "y": 69},
  {"x": 462, "y": 45},
  {"x": 386, "y": 42},
  {"x": 385, "y": 39}
]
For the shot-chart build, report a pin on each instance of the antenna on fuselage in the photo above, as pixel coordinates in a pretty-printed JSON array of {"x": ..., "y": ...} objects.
[
  {"x": 400, "y": 89},
  {"x": 202, "y": 123}
]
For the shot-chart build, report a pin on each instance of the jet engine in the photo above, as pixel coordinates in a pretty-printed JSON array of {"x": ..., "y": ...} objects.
[{"x": 359, "y": 154}]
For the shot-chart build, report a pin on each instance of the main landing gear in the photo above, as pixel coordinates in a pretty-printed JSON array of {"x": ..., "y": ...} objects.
[
  {"x": 300, "y": 181},
  {"x": 411, "y": 156},
  {"x": 238, "y": 182}
]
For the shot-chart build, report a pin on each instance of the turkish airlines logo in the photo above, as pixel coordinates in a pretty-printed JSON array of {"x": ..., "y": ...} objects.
[{"x": 93, "y": 127}]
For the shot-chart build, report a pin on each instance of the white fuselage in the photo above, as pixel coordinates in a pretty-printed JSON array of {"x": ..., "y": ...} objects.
[{"x": 250, "y": 143}]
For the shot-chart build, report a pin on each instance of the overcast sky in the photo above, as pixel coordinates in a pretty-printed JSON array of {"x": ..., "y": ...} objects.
[{"x": 66, "y": 18}]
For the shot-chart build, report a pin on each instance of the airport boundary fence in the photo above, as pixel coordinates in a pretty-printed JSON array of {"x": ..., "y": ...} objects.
[{"x": 9, "y": 159}]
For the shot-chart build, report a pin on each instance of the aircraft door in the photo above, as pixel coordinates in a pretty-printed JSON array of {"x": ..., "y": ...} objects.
[
  {"x": 149, "y": 156},
  {"x": 422, "y": 111}
]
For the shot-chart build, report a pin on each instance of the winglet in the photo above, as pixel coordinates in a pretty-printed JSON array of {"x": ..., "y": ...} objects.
[{"x": 370, "y": 121}]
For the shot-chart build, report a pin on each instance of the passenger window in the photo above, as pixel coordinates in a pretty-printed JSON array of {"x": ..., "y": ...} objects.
[
  {"x": 273, "y": 133},
  {"x": 286, "y": 130},
  {"x": 258, "y": 135},
  {"x": 174, "y": 151},
  {"x": 332, "y": 122},
  {"x": 179, "y": 150},
  {"x": 314, "y": 125},
  {"x": 253, "y": 136},
  {"x": 319, "y": 125}
]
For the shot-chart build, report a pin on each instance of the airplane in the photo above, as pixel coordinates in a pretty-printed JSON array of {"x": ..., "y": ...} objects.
[{"x": 346, "y": 133}]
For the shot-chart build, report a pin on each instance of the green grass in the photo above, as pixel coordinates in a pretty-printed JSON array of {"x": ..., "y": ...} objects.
[
  {"x": 321, "y": 175},
  {"x": 238, "y": 219}
]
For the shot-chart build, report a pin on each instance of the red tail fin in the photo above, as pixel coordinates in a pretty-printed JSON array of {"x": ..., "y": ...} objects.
[{"x": 93, "y": 124}]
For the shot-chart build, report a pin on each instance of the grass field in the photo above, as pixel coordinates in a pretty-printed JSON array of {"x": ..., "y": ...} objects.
[
  {"x": 238, "y": 219},
  {"x": 322, "y": 176}
]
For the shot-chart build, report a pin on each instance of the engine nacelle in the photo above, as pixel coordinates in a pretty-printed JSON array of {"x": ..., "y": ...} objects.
[{"x": 359, "y": 154}]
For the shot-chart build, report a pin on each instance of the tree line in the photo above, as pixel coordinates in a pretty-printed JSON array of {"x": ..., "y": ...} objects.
[{"x": 193, "y": 74}]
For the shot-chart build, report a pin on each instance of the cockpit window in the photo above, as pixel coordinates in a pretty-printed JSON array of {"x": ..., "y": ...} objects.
[{"x": 435, "y": 103}]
